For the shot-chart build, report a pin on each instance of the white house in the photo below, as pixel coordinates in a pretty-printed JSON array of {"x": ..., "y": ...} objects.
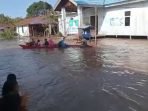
[
  {"x": 33, "y": 26},
  {"x": 110, "y": 17}
]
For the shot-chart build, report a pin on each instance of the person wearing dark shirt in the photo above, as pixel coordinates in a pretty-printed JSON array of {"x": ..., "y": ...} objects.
[
  {"x": 46, "y": 44},
  {"x": 11, "y": 100}
]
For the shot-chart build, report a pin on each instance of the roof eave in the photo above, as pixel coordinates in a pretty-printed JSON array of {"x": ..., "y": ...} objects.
[
  {"x": 56, "y": 5},
  {"x": 58, "y": 2},
  {"x": 123, "y": 3},
  {"x": 72, "y": 1},
  {"x": 90, "y": 5}
]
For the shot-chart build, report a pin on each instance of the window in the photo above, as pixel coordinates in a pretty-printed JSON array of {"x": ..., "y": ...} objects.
[
  {"x": 127, "y": 21},
  {"x": 128, "y": 13},
  {"x": 127, "y": 18}
]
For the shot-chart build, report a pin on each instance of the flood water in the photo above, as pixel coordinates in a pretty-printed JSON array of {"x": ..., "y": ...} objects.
[{"x": 111, "y": 77}]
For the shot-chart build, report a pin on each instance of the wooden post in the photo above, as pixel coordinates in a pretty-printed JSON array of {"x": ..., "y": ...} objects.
[
  {"x": 32, "y": 30},
  {"x": 63, "y": 12},
  {"x": 130, "y": 37},
  {"x": 95, "y": 25},
  {"x": 49, "y": 27}
]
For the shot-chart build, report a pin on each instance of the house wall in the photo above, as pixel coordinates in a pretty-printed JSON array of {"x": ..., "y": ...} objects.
[
  {"x": 113, "y": 20},
  {"x": 87, "y": 12},
  {"x": 22, "y": 30},
  {"x": 71, "y": 24}
]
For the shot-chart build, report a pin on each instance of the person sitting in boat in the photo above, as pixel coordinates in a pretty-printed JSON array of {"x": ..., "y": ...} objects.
[
  {"x": 32, "y": 43},
  {"x": 62, "y": 44},
  {"x": 46, "y": 44},
  {"x": 38, "y": 43},
  {"x": 51, "y": 43}
]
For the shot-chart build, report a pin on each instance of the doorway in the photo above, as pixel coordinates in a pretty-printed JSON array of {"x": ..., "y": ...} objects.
[{"x": 92, "y": 22}]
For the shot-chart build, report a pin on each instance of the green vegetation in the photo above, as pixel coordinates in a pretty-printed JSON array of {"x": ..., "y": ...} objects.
[
  {"x": 8, "y": 34},
  {"x": 59, "y": 34},
  {"x": 38, "y": 8},
  {"x": 35, "y": 9},
  {"x": 5, "y": 19},
  {"x": 8, "y": 20},
  {"x": 52, "y": 18}
]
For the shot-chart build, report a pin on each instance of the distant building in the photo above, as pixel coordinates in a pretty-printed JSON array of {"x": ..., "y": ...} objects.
[
  {"x": 114, "y": 17},
  {"x": 68, "y": 19},
  {"x": 5, "y": 26},
  {"x": 33, "y": 26}
]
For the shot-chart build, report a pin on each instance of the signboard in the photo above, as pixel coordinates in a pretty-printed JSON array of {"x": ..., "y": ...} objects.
[{"x": 72, "y": 24}]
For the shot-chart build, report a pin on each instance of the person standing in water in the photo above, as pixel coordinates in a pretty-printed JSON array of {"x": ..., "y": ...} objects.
[
  {"x": 62, "y": 44},
  {"x": 11, "y": 99}
]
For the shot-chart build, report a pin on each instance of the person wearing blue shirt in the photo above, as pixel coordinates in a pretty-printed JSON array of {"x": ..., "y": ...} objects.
[
  {"x": 86, "y": 34},
  {"x": 62, "y": 43}
]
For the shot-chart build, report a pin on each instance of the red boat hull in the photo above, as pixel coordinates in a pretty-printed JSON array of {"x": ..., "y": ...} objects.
[
  {"x": 35, "y": 47},
  {"x": 43, "y": 47}
]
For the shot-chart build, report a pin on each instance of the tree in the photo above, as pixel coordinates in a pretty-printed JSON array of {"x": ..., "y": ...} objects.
[
  {"x": 8, "y": 20},
  {"x": 38, "y": 8},
  {"x": 5, "y": 19},
  {"x": 16, "y": 20},
  {"x": 8, "y": 34},
  {"x": 52, "y": 17}
]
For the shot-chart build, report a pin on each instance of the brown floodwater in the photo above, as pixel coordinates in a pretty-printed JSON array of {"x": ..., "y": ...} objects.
[{"x": 111, "y": 77}]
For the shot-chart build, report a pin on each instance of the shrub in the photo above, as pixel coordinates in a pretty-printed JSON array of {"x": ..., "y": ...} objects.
[
  {"x": 59, "y": 34},
  {"x": 8, "y": 34}
]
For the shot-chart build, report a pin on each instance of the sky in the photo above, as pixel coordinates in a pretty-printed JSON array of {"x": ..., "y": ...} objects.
[{"x": 17, "y": 8}]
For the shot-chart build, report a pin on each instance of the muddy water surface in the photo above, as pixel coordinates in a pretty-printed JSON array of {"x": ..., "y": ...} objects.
[{"x": 111, "y": 77}]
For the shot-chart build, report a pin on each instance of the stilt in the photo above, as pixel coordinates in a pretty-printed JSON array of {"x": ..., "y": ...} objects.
[
  {"x": 95, "y": 25},
  {"x": 130, "y": 37}
]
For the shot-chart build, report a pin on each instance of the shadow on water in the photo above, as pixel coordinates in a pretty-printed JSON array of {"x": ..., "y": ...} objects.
[{"x": 106, "y": 78}]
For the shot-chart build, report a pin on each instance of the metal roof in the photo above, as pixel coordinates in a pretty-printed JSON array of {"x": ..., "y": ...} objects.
[
  {"x": 35, "y": 20},
  {"x": 98, "y": 2}
]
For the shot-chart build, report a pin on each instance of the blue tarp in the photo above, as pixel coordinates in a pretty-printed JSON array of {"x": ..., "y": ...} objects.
[{"x": 97, "y": 2}]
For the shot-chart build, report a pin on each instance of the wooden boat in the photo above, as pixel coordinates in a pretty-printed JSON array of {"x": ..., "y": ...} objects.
[
  {"x": 55, "y": 46},
  {"x": 35, "y": 47}
]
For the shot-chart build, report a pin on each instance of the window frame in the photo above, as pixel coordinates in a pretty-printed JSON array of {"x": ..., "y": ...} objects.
[{"x": 127, "y": 18}]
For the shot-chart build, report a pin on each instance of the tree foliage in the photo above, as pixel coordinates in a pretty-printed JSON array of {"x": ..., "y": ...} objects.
[
  {"x": 38, "y": 8},
  {"x": 5, "y": 19},
  {"x": 8, "y": 20},
  {"x": 52, "y": 17},
  {"x": 8, "y": 34}
]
